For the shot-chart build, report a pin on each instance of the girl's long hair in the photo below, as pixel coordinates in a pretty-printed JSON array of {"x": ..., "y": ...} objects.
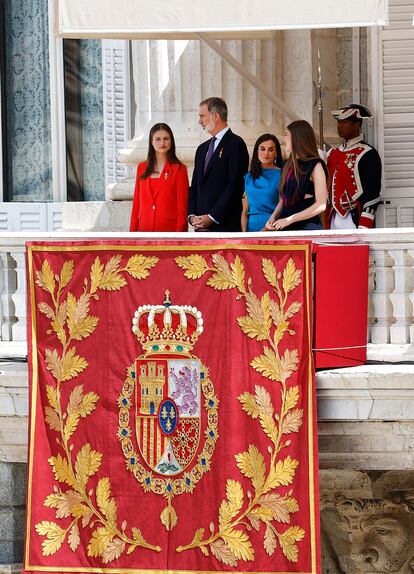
[
  {"x": 171, "y": 157},
  {"x": 255, "y": 165},
  {"x": 303, "y": 148}
]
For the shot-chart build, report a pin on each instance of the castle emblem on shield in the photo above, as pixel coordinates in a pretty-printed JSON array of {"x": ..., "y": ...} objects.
[
  {"x": 170, "y": 402},
  {"x": 168, "y": 412}
]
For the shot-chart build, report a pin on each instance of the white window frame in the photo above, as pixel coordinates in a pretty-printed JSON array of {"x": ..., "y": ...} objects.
[{"x": 57, "y": 110}]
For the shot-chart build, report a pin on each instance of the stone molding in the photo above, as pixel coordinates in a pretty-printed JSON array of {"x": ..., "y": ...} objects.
[{"x": 365, "y": 416}]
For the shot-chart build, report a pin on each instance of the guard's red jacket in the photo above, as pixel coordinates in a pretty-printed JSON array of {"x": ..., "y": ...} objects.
[{"x": 355, "y": 181}]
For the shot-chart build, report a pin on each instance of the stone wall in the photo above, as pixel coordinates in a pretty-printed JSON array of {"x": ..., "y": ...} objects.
[
  {"x": 13, "y": 455},
  {"x": 12, "y": 511}
]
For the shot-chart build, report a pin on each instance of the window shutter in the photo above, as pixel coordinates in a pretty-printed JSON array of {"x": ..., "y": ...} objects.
[
  {"x": 34, "y": 217},
  {"x": 397, "y": 42},
  {"x": 116, "y": 99},
  {"x": 54, "y": 216}
]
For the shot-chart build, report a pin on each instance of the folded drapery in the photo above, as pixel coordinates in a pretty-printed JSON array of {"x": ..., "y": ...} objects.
[{"x": 172, "y": 407}]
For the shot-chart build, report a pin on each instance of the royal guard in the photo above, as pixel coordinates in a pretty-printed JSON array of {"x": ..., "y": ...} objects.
[{"x": 355, "y": 174}]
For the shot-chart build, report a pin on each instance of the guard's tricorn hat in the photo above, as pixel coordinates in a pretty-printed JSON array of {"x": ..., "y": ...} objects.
[{"x": 354, "y": 111}]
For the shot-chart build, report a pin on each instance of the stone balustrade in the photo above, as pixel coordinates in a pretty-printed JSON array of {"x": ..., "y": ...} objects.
[{"x": 391, "y": 284}]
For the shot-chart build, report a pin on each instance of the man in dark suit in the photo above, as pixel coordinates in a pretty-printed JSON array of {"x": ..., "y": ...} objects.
[{"x": 216, "y": 191}]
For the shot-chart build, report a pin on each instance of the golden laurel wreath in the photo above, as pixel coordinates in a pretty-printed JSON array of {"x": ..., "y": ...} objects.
[
  {"x": 267, "y": 321},
  {"x": 77, "y": 505}
]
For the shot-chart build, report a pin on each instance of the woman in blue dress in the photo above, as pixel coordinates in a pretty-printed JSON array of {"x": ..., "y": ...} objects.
[{"x": 261, "y": 183}]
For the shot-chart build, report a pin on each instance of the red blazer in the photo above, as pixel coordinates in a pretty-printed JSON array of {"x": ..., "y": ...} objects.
[{"x": 167, "y": 209}]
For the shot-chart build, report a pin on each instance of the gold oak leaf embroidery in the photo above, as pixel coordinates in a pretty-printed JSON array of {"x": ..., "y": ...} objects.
[
  {"x": 267, "y": 320},
  {"x": 73, "y": 501}
]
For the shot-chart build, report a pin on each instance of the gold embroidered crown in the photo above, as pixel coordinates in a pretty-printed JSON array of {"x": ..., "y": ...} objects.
[{"x": 167, "y": 328}]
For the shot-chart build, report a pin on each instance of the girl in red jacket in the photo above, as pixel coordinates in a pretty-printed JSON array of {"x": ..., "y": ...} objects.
[{"x": 161, "y": 186}]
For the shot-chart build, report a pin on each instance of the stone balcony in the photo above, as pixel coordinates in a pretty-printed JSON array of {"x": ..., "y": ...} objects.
[
  {"x": 380, "y": 394},
  {"x": 365, "y": 414},
  {"x": 391, "y": 278}
]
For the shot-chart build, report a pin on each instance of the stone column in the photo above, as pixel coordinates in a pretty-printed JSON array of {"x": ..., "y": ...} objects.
[
  {"x": 401, "y": 296},
  {"x": 171, "y": 77},
  {"x": 380, "y": 298},
  {"x": 8, "y": 286},
  {"x": 19, "y": 297},
  {"x": 297, "y": 72}
]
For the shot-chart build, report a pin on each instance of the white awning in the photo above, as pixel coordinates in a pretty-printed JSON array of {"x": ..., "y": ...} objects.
[{"x": 184, "y": 18}]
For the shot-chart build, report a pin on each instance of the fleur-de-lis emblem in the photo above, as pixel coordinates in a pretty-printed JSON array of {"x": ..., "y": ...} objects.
[{"x": 221, "y": 153}]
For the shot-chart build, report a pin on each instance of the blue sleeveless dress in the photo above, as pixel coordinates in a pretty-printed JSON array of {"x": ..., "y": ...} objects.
[{"x": 262, "y": 196}]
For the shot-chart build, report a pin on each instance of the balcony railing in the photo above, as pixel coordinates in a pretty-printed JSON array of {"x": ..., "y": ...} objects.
[
  {"x": 364, "y": 413},
  {"x": 391, "y": 285}
]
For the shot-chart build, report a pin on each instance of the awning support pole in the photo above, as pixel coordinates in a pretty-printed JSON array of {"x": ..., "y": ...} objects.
[{"x": 249, "y": 77}]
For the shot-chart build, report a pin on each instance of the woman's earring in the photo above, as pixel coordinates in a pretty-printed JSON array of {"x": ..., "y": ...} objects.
[{"x": 275, "y": 161}]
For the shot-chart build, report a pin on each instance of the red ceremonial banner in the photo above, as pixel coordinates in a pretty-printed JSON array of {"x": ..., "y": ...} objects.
[{"x": 172, "y": 408}]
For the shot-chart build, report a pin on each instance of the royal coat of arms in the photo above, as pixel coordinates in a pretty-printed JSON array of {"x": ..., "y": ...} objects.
[{"x": 169, "y": 395}]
